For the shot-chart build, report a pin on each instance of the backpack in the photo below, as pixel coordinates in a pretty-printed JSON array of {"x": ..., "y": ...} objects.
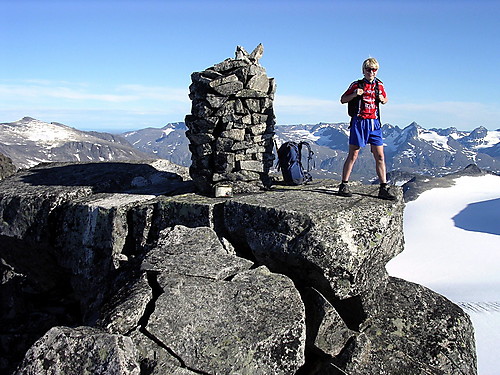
[
  {"x": 290, "y": 163},
  {"x": 354, "y": 104}
]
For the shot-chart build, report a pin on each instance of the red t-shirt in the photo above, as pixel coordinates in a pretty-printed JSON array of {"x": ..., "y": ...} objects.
[{"x": 368, "y": 106}]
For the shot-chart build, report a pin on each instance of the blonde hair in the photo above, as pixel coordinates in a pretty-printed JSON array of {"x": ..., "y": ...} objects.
[{"x": 371, "y": 62}]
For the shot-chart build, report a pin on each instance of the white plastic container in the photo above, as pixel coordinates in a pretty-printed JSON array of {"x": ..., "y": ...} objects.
[{"x": 223, "y": 191}]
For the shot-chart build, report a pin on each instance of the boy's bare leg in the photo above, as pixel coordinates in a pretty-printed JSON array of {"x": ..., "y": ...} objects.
[
  {"x": 378, "y": 154},
  {"x": 349, "y": 162}
]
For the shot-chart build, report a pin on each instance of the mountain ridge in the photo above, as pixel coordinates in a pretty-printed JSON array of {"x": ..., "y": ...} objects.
[
  {"x": 413, "y": 149},
  {"x": 28, "y": 142},
  {"x": 410, "y": 151}
]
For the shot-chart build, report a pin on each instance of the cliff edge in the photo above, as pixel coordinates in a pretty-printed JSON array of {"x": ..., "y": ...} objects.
[{"x": 121, "y": 268}]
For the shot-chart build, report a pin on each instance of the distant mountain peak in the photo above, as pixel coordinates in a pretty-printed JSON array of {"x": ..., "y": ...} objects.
[
  {"x": 29, "y": 142},
  {"x": 479, "y": 132},
  {"x": 27, "y": 119},
  {"x": 175, "y": 126}
]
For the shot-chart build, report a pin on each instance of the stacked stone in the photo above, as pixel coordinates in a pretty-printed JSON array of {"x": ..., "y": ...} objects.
[{"x": 231, "y": 124}]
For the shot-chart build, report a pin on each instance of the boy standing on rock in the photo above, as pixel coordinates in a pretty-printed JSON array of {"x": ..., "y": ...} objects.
[{"x": 364, "y": 97}]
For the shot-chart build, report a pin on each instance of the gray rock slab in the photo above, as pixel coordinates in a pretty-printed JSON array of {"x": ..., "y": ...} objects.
[
  {"x": 155, "y": 359},
  {"x": 194, "y": 252},
  {"x": 81, "y": 350},
  {"x": 413, "y": 330},
  {"x": 127, "y": 306},
  {"x": 340, "y": 246},
  {"x": 259, "y": 83},
  {"x": 219, "y": 316},
  {"x": 197, "y": 307},
  {"x": 326, "y": 329},
  {"x": 253, "y": 324},
  {"x": 81, "y": 221},
  {"x": 7, "y": 168}
]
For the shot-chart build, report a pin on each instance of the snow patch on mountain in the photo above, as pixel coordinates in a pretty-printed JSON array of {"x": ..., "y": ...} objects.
[
  {"x": 439, "y": 141},
  {"x": 167, "y": 131},
  {"x": 491, "y": 139},
  {"x": 30, "y": 129},
  {"x": 29, "y": 142},
  {"x": 304, "y": 135}
]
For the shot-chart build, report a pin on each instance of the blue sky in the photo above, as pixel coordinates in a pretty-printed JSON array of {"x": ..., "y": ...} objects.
[{"x": 114, "y": 65}]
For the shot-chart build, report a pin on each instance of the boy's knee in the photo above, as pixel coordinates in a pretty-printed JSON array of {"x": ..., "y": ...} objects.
[{"x": 353, "y": 155}]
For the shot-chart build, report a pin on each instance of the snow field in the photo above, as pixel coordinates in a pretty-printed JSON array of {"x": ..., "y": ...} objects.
[{"x": 463, "y": 265}]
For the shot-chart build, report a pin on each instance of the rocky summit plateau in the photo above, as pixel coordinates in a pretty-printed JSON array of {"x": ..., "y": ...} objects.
[
  {"x": 123, "y": 268},
  {"x": 120, "y": 268}
]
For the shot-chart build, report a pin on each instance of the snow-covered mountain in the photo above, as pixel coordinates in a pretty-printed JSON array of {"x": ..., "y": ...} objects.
[
  {"x": 412, "y": 150},
  {"x": 409, "y": 151},
  {"x": 29, "y": 142},
  {"x": 169, "y": 142}
]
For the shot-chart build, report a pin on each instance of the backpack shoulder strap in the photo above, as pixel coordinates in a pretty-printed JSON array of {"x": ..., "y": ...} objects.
[
  {"x": 377, "y": 89},
  {"x": 361, "y": 85},
  {"x": 353, "y": 106},
  {"x": 309, "y": 154},
  {"x": 377, "y": 93}
]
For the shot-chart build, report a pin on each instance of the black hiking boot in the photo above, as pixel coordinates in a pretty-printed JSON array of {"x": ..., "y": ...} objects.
[
  {"x": 384, "y": 193},
  {"x": 344, "y": 190}
]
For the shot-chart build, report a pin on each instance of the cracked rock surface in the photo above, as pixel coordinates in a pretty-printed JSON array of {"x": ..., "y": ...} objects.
[
  {"x": 166, "y": 281},
  {"x": 215, "y": 314},
  {"x": 252, "y": 323},
  {"x": 81, "y": 350}
]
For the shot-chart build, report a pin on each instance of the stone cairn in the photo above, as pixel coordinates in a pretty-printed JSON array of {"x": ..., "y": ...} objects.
[{"x": 231, "y": 125}]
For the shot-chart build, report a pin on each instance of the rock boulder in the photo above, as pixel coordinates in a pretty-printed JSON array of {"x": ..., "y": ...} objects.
[
  {"x": 81, "y": 350},
  {"x": 286, "y": 281},
  {"x": 7, "y": 167}
]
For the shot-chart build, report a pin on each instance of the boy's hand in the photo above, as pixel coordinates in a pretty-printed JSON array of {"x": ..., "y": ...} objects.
[
  {"x": 382, "y": 99},
  {"x": 359, "y": 92}
]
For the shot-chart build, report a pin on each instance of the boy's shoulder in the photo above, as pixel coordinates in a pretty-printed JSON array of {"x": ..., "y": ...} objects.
[
  {"x": 355, "y": 84},
  {"x": 361, "y": 82},
  {"x": 364, "y": 81}
]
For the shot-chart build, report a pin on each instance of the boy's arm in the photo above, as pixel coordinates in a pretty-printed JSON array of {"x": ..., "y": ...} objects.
[
  {"x": 382, "y": 97},
  {"x": 348, "y": 97}
]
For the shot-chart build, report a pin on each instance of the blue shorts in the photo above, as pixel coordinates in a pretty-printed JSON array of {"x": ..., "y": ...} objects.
[{"x": 365, "y": 131}]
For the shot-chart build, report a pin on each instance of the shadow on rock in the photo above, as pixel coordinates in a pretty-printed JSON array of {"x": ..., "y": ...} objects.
[{"x": 132, "y": 178}]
